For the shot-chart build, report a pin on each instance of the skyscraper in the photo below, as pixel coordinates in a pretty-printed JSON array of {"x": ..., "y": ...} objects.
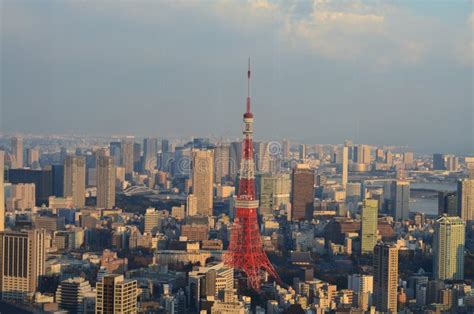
[
  {"x": 43, "y": 180},
  {"x": 202, "y": 177},
  {"x": 116, "y": 295},
  {"x": 302, "y": 152},
  {"x": 368, "y": 230},
  {"x": 362, "y": 154},
  {"x": 127, "y": 157},
  {"x": 22, "y": 258},
  {"x": 221, "y": 162},
  {"x": 235, "y": 159},
  {"x": 363, "y": 286},
  {"x": 285, "y": 149},
  {"x": 105, "y": 182},
  {"x": 116, "y": 152},
  {"x": 448, "y": 247},
  {"x": 385, "y": 278},
  {"x": 447, "y": 203},
  {"x": 32, "y": 157},
  {"x": 2, "y": 191},
  {"x": 273, "y": 191},
  {"x": 137, "y": 157},
  {"x": 400, "y": 199},
  {"x": 438, "y": 162},
  {"x": 466, "y": 199},
  {"x": 17, "y": 152},
  {"x": 345, "y": 165},
  {"x": 75, "y": 180},
  {"x": 302, "y": 193},
  {"x": 150, "y": 149},
  {"x": 165, "y": 146},
  {"x": 262, "y": 156}
]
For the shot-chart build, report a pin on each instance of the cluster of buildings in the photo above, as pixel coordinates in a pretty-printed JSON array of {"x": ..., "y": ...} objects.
[{"x": 129, "y": 227}]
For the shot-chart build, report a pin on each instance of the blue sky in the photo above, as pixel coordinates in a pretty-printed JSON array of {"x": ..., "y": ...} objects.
[{"x": 381, "y": 72}]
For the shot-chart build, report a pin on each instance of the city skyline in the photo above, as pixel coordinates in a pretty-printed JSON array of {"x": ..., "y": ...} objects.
[{"x": 414, "y": 88}]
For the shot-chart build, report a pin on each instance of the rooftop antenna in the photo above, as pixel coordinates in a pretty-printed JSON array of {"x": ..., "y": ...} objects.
[{"x": 248, "y": 88}]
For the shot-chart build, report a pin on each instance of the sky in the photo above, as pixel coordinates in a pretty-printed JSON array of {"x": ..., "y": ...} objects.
[{"x": 376, "y": 72}]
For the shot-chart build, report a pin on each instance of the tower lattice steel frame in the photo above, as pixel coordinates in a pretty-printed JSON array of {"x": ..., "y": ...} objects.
[{"x": 245, "y": 251}]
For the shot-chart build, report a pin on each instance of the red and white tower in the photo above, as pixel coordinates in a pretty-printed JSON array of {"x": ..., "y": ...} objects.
[{"x": 245, "y": 251}]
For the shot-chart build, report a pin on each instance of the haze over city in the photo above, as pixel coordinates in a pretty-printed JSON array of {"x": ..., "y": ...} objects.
[
  {"x": 236, "y": 157},
  {"x": 377, "y": 72}
]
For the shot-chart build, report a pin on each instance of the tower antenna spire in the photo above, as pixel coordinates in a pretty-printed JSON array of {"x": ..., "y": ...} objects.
[{"x": 248, "y": 88}]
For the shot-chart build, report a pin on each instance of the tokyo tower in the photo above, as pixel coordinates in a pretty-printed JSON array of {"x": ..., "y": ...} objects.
[{"x": 245, "y": 251}]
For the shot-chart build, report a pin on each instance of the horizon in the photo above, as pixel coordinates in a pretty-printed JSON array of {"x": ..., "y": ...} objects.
[{"x": 322, "y": 72}]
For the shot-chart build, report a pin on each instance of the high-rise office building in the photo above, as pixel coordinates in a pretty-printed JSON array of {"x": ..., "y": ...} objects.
[
  {"x": 379, "y": 155},
  {"x": 116, "y": 152},
  {"x": 235, "y": 159},
  {"x": 262, "y": 157},
  {"x": 363, "y": 286},
  {"x": 362, "y": 154},
  {"x": 221, "y": 162},
  {"x": 32, "y": 157},
  {"x": 43, "y": 180},
  {"x": 105, "y": 182},
  {"x": 285, "y": 149},
  {"x": 57, "y": 174},
  {"x": 385, "y": 278},
  {"x": 75, "y": 180},
  {"x": 302, "y": 151},
  {"x": 466, "y": 199},
  {"x": 116, "y": 295},
  {"x": 400, "y": 199},
  {"x": 273, "y": 191},
  {"x": 150, "y": 149},
  {"x": 127, "y": 157},
  {"x": 17, "y": 152},
  {"x": 302, "y": 193},
  {"x": 165, "y": 146},
  {"x": 438, "y": 162},
  {"x": 345, "y": 165},
  {"x": 22, "y": 261},
  {"x": 202, "y": 178},
  {"x": 447, "y": 203},
  {"x": 451, "y": 163},
  {"x": 22, "y": 197},
  {"x": 2, "y": 191},
  {"x": 138, "y": 164},
  {"x": 152, "y": 220},
  {"x": 70, "y": 294},
  {"x": 448, "y": 247},
  {"x": 368, "y": 230}
]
